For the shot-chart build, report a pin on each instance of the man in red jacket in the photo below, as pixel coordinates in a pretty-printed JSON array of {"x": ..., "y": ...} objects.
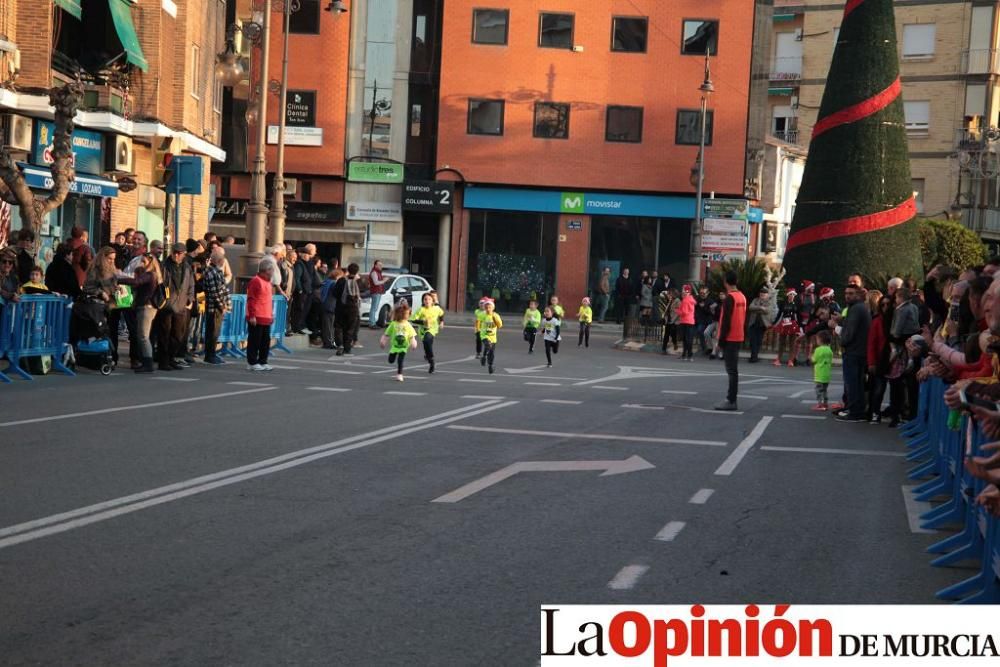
[
  {"x": 259, "y": 317},
  {"x": 731, "y": 325}
]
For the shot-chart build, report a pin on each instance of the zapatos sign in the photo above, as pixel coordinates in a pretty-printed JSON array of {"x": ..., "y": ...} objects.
[{"x": 768, "y": 635}]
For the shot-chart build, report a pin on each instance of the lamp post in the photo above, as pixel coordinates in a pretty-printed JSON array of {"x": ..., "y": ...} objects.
[
  {"x": 256, "y": 217},
  {"x": 698, "y": 179}
]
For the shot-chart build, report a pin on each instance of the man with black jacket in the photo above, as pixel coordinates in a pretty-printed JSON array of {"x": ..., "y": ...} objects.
[
  {"x": 347, "y": 294},
  {"x": 303, "y": 271},
  {"x": 171, "y": 320},
  {"x": 854, "y": 343},
  {"x": 624, "y": 295},
  {"x": 705, "y": 308}
]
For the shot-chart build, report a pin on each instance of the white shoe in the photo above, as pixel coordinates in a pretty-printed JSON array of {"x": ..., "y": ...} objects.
[
  {"x": 266, "y": 367},
  {"x": 399, "y": 378},
  {"x": 255, "y": 368}
]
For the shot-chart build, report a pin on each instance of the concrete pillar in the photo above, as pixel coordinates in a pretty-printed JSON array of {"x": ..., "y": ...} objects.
[{"x": 443, "y": 255}]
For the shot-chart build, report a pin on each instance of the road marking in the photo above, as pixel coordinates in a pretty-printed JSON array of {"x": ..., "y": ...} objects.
[
  {"x": 477, "y": 397},
  {"x": 475, "y": 380},
  {"x": 607, "y": 468},
  {"x": 589, "y": 436},
  {"x": 830, "y": 450},
  {"x": 742, "y": 449},
  {"x": 345, "y": 372},
  {"x": 544, "y": 384},
  {"x": 678, "y": 391},
  {"x": 708, "y": 411},
  {"x": 532, "y": 369},
  {"x": 628, "y": 577},
  {"x": 558, "y": 401},
  {"x": 405, "y": 393},
  {"x": 802, "y": 417},
  {"x": 251, "y": 384},
  {"x": 286, "y": 368},
  {"x": 670, "y": 531},
  {"x": 607, "y": 386},
  {"x": 639, "y": 406},
  {"x": 754, "y": 397},
  {"x": 808, "y": 401},
  {"x": 125, "y": 408},
  {"x": 800, "y": 394},
  {"x": 65, "y": 521},
  {"x": 701, "y": 496},
  {"x": 340, "y": 389},
  {"x": 914, "y": 510},
  {"x": 171, "y": 378}
]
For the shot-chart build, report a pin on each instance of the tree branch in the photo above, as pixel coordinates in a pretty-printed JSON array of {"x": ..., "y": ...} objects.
[
  {"x": 66, "y": 100},
  {"x": 17, "y": 191}
]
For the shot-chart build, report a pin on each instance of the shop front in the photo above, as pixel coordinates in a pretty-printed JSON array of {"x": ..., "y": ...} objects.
[{"x": 524, "y": 244}]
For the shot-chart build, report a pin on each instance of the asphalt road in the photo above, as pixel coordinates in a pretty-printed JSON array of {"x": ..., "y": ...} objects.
[{"x": 326, "y": 514}]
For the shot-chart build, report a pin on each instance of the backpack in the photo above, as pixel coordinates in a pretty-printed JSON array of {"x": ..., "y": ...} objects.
[{"x": 161, "y": 296}]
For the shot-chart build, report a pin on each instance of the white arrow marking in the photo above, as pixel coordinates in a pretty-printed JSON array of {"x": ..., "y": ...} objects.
[
  {"x": 631, "y": 464},
  {"x": 532, "y": 369}
]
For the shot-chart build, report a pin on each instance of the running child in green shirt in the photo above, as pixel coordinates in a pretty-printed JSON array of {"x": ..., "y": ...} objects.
[
  {"x": 487, "y": 326},
  {"x": 429, "y": 318},
  {"x": 532, "y": 321},
  {"x": 822, "y": 361},
  {"x": 557, "y": 310},
  {"x": 400, "y": 337},
  {"x": 478, "y": 314}
]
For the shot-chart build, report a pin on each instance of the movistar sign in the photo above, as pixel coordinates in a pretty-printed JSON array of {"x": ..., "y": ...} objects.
[
  {"x": 579, "y": 203},
  {"x": 572, "y": 202}
]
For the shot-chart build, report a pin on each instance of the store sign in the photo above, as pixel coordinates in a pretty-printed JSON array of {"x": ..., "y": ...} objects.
[
  {"x": 40, "y": 178},
  {"x": 383, "y": 242},
  {"x": 297, "y": 136},
  {"x": 428, "y": 196},
  {"x": 726, "y": 208},
  {"x": 575, "y": 225},
  {"x": 375, "y": 172},
  {"x": 86, "y": 148},
  {"x": 723, "y": 235},
  {"x": 373, "y": 211},
  {"x": 580, "y": 203},
  {"x": 300, "y": 110},
  {"x": 770, "y": 243},
  {"x": 756, "y": 215},
  {"x": 294, "y": 211}
]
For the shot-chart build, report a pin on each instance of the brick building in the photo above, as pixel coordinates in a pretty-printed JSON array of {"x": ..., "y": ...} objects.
[
  {"x": 147, "y": 69},
  {"x": 948, "y": 67}
]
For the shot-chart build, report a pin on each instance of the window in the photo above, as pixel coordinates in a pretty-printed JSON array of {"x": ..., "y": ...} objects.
[
  {"x": 628, "y": 34},
  {"x": 485, "y": 117},
  {"x": 700, "y": 37},
  {"x": 689, "y": 127},
  {"x": 551, "y": 120},
  {"x": 555, "y": 31},
  {"x": 918, "y": 185},
  {"x": 489, "y": 26},
  {"x": 918, "y": 40},
  {"x": 305, "y": 190},
  {"x": 305, "y": 21},
  {"x": 918, "y": 116},
  {"x": 195, "y": 71},
  {"x": 624, "y": 124}
]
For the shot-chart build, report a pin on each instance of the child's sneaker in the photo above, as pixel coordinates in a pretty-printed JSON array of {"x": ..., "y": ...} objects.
[
  {"x": 791, "y": 363},
  {"x": 837, "y": 407},
  {"x": 399, "y": 378},
  {"x": 819, "y": 407},
  {"x": 482, "y": 360},
  {"x": 491, "y": 369},
  {"x": 777, "y": 363}
]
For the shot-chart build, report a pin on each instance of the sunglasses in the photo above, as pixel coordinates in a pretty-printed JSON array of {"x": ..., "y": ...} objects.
[{"x": 6, "y": 261}]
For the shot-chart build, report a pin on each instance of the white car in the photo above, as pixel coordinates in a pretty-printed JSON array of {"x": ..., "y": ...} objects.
[{"x": 400, "y": 286}]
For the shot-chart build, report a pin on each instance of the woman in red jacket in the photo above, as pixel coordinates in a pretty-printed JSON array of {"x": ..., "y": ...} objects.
[
  {"x": 259, "y": 317},
  {"x": 878, "y": 358},
  {"x": 685, "y": 322}
]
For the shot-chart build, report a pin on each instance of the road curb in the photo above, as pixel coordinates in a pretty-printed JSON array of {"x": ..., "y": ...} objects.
[{"x": 654, "y": 348}]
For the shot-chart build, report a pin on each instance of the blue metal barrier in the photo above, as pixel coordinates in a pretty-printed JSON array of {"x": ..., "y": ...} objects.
[
  {"x": 6, "y": 325},
  {"x": 234, "y": 328},
  {"x": 278, "y": 326},
  {"x": 37, "y": 325},
  {"x": 980, "y": 534}
]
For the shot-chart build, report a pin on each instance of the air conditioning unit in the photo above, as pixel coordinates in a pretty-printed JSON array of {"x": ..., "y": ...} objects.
[
  {"x": 795, "y": 101},
  {"x": 798, "y": 34},
  {"x": 118, "y": 156},
  {"x": 16, "y": 132}
]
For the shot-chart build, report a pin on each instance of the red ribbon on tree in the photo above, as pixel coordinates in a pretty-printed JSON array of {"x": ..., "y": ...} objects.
[
  {"x": 856, "y": 112},
  {"x": 857, "y": 225}
]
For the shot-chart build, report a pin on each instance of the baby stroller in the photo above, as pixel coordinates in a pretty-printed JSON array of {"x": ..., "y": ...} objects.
[{"x": 89, "y": 335}]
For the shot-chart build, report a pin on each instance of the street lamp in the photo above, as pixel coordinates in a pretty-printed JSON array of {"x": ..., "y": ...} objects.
[
  {"x": 336, "y": 7},
  {"x": 698, "y": 178}
]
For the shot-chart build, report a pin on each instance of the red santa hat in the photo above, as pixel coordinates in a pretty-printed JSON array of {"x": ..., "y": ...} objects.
[
  {"x": 808, "y": 286},
  {"x": 790, "y": 292},
  {"x": 826, "y": 293}
]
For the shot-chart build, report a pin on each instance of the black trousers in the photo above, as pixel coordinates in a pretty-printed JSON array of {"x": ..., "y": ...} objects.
[
  {"x": 346, "y": 325},
  {"x": 397, "y": 358},
  {"x": 171, "y": 330},
  {"x": 303, "y": 302},
  {"x": 731, "y": 356},
  {"x": 530, "y": 333},
  {"x": 551, "y": 347},
  {"x": 479, "y": 345},
  {"x": 687, "y": 336},
  {"x": 428, "y": 342},
  {"x": 584, "y": 334},
  {"x": 258, "y": 343},
  {"x": 756, "y": 338},
  {"x": 876, "y": 393},
  {"x": 213, "y": 325},
  {"x": 489, "y": 351}
]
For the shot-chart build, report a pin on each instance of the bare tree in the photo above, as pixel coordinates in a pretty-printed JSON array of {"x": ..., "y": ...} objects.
[{"x": 66, "y": 100}]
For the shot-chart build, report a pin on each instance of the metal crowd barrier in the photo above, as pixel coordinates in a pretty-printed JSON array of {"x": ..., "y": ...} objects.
[
  {"x": 279, "y": 325},
  {"x": 35, "y": 326},
  {"x": 940, "y": 452},
  {"x": 234, "y": 330}
]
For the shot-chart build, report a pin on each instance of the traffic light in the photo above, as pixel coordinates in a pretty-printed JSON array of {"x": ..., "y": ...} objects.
[{"x": 162, "y": 157}]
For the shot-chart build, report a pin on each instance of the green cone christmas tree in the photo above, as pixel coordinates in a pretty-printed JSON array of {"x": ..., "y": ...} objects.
[{"x": 855, "y": 211}]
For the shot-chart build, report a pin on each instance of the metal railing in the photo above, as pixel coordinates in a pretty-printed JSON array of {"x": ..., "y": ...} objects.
[
  {"x": 789, "y": 136},
  {"x": 786, "y": 68},
  {"x": 980, "y": 61}
]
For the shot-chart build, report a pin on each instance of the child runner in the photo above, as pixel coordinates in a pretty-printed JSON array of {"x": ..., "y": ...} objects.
[
  {"x": 822, "y": 359},
  {"x": 586, "y": 316},
  {"x": 399, "y": 336},
  {"x": 478, "y": 315},
  {"x": 557, "y": 310},
  {"x": 551, "y": 325},
  {"x": 487, "y": 326},
  {"x": 532, "y": 321},
  {"x": 429, "y": 318}
]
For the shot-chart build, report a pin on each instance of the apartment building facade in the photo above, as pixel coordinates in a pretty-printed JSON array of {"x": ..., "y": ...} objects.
[
  {"x": 149, "y": 86},
  {"x": 948, "y": 68}
]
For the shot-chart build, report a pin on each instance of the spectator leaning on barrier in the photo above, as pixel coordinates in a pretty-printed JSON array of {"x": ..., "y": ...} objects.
[
  {"x": 216, "y": 303},
  {"x": 83, "y": 254},
  {"x": 259, "y": 317},
  {"x": 9, "y": 284},
  {"x": 25, "y": 254},
  {"x": 59, "y": 276}
]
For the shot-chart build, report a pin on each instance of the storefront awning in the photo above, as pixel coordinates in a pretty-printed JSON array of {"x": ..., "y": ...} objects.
[
  {"x": 71, "y": 6},
  {"x": 121, "y": 14},
  {"x": 295, "y": 233},
  {"x": 784, "y": 92},
  {"x": 40, "y": 178}
]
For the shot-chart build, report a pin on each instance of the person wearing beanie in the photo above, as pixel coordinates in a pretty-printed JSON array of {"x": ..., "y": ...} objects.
[{"x": 586, "y": 317}]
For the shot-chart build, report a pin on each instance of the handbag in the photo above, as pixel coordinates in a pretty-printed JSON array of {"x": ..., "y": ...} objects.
[
  {"x": 897, "y": 366},
  {"x": 161, "y": 295},
  {"x": 124, "y": 298}
]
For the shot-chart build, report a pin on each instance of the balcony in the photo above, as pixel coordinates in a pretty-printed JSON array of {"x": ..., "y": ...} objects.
[
  {"x": 788, "y": 136},
  {"x": 786, "y": 69},
  {"x": 980, "y": 61}
]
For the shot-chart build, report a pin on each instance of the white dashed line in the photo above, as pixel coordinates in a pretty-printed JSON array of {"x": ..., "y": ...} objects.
[
  {"x": 701, "y": 496},
  {"x": 544, "y": 384},
  {"x": 286, "y": 368},
  {"x": 477, "y": 397},
  {"x": 753, "y": 397},
  {"x": 605, "y": 386},
  {"x": 801, "y": 417},
  {"x": 251, "y": 384},
  {"x": 557, "y": 401},
  {"x": 345, "y": 372},
  {"x": 742, "y": 449},
  {"x": 830, "y": 450},
  {"x": 475, "y": 380},
  {"x": 628, "y": 577},
  {"x": 678, "y": 391},
  {"x": 914, "y": 510},
  {"x": 800, "y": 394},
  {"x": 670, "y": 531},
  {"x": 590, "y": 436},
  {"x": 340, "y": 389},
  {"x": 637, "y": 406},
  {"x": 405, "y": 393},
  {"x": 173, "y": 379}
]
